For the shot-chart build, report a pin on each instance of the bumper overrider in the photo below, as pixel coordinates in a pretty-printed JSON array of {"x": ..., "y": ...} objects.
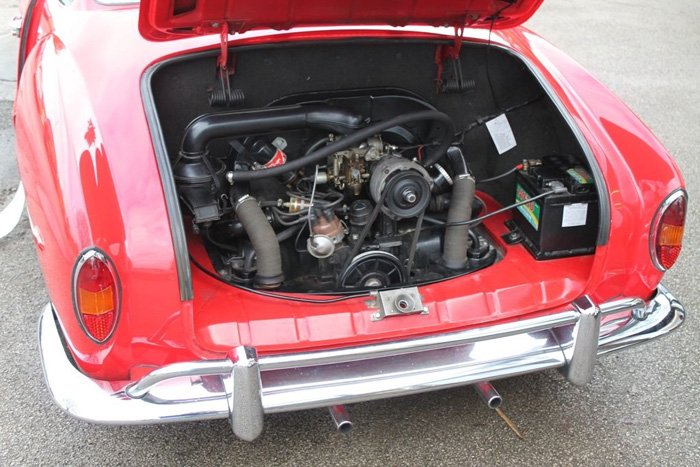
[{"x": 244, "y": 387}]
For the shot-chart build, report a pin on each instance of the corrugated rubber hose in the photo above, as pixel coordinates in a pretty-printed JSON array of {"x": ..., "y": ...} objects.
[
  {"x": 454, "y": 255},
  {"x": 267, "y": 248}
]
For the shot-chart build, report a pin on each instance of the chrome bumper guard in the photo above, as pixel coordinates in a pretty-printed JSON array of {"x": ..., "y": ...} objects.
[{"x": 245, "y": 387}]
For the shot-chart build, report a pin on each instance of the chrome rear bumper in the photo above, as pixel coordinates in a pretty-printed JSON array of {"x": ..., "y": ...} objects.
[{"x": 245, "y": 387}]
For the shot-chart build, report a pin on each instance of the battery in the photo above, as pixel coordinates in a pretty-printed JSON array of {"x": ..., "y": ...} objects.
[{"x": 558, "y": 225}]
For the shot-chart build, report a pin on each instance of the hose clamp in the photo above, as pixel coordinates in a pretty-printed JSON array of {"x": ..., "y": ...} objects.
[
  {"x": 444, "y": 173},
  {"x": 242, "y": 200}
]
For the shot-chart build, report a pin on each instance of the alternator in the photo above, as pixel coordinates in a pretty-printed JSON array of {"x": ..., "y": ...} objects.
[{"x": 407, "y": 185}]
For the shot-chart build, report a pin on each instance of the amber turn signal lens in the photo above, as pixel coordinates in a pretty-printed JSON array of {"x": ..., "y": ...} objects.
[
  {"x": 668, "y": 233},
  {"x": 96, "y": 295},
  {"x": 671, "y": 235},
  {"x": 96, "y": 303}
]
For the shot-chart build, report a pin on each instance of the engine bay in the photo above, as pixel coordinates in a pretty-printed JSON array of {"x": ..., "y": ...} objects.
[
  {"x": 355, "y": 189},
  {"x": 309, "y": 204}
]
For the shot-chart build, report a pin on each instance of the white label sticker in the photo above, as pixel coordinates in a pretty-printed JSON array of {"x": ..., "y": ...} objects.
[
  {"x": 574, "y": 215},
  {"x": 501, "y": 133}
]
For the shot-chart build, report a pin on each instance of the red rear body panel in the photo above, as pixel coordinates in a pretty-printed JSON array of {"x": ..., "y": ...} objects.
[
  {"x": 91, "y": 177},
  {"x": 516, "y": 286}
]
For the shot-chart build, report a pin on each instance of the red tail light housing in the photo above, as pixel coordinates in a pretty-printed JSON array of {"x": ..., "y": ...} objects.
[
  {"x": 667, "y": 230},
  {"x": 96, "y": 295}
]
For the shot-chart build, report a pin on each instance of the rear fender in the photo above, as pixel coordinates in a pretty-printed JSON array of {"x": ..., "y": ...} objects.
[
  {"x": 637, "y": 169},
  {"x": 84, "y": 189}
]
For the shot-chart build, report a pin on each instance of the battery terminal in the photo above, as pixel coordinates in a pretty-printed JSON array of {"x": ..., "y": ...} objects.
[{"x": 558, "y": 188}]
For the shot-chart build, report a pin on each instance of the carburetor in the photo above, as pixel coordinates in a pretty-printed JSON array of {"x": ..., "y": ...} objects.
[{"x": 348, "y": 169}]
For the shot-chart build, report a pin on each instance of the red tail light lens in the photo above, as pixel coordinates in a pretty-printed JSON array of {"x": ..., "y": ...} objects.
[
  {"x": 96, "y": 295},
  {"x": 667, "y": 230}
]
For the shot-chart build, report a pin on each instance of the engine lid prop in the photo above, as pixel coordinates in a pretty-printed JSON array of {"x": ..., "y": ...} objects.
[{"x": 398, "y": 302}]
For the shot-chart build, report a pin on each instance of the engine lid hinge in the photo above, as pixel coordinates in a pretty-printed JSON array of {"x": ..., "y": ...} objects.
[
  {"x": 448, "y": 56},
  {"x": 397, "y": 302},
  {"x": 225, "y": 68}
]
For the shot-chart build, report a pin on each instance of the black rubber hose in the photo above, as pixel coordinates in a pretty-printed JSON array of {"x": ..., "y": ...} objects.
[
  {"x": 454, "y": 255},
  {"x": 500, "y": 176},
  {"x": 267, "y": 249},
  {"x": 356, "y": 138},
  {"x": 205, "y": 128},
  {"x": 457, "y": 160},
  {"x": 288, "y": 233}
]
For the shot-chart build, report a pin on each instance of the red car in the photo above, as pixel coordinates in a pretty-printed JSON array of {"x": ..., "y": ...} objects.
[{"x": 253, "y": 207}]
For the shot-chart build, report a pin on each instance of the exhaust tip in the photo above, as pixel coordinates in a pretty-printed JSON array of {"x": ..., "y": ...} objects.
[
  {"x": 495, "y": 402},
  {"x": 341, "y": 419},
  {"x": 488, "y": 394},
  {"x": 345, "y": 428}
]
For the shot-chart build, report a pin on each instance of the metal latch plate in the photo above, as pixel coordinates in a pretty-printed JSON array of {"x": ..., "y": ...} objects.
[{"x": 399, "y": 302}]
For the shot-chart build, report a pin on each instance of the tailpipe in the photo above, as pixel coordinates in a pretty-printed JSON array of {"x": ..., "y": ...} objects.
[
  {"x": 341, "y": 419},
  {"x": 488, "y": 394}
]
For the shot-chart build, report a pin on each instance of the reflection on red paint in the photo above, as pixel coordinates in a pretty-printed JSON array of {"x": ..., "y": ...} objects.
[{"x": 90, "y": 135}]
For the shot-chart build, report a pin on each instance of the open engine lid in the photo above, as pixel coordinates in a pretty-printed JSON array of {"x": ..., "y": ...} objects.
[{"x": 173, "y": 19}]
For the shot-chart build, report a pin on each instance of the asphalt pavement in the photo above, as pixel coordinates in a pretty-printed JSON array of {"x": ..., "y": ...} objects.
[{"x": 642, "y": 407}]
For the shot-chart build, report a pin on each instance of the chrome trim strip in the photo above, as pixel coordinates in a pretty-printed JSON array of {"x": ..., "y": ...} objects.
[
  {"x": 186, "y": 391},
  {"x": 172, "y": 203},
  {"x": 96, "y": 401},
  {"x": 140, "y": 388},
  {"x": 664, "y": 314},
  {"x": 420, "y": 344},
  {"x": 292, "y": 389},
  {"x": 325, "y": 357},
  {"x": 624, "y": 304}
]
